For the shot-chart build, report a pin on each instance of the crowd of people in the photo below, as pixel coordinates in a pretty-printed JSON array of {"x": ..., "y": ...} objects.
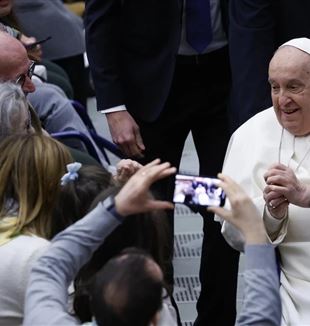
[{"x": 83, "y": 242}]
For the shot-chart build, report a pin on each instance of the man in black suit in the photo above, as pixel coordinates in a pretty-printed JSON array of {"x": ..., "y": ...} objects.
[
  {"x": 156, "y": 82},
  {"x": 256, "y": 30}
]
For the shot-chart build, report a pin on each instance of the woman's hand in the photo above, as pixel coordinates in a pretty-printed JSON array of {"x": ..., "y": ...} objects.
[
  {"x": 243, "y": 214},
  {"x": 125, "y": 169},
  {"x": 283, "y": 188},
  {"x": 33, "y": 53},
  {"x": 135, "y": 197}
]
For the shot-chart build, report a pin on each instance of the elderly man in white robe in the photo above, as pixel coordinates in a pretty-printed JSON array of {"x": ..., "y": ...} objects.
[{"x": 269, "y": 156}]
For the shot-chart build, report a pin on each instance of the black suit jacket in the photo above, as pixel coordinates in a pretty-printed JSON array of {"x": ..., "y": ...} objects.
[
  {"x": 257, "y": 28},
  {"x": 132, "y": 46}
]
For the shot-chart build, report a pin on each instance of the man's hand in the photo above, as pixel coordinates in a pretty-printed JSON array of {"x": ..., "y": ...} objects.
[
  {"x": 135, "y": 198},
  {"x": 283, "y": 188},
  {"x": 243, "y": 214},
  {"x": 125, "y": 133},
  {"x": 276, "y": 204}
]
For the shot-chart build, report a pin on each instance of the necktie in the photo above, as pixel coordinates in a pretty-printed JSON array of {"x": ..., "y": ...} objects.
[{"x": 198, "y": 24}]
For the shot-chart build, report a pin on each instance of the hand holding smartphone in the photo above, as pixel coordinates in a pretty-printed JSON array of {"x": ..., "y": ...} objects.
[
  {"x": 32, "y": 46},
  {"x": 198, "y": 191}
]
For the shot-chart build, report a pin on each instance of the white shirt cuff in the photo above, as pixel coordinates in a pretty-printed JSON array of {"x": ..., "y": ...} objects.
[
  {"x": 114, "y": 109},
  {"x": 276, "y": 229},
  {"x": 273, "y": 224}
]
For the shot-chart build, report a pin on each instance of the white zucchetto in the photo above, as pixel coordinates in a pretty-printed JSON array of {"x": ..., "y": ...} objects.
[{"x": 302, "y": 44}]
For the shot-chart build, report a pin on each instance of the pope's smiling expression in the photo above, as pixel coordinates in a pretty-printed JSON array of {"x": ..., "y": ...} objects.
[{"x": 289, "y": 77}]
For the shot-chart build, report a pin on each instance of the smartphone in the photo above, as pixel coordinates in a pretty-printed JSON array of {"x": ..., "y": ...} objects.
[
  {"x": 198, "y": 191},
  {"x": 31, "y": 46}
]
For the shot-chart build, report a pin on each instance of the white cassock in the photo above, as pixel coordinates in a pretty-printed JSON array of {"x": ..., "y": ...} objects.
[{"x": 253, "y": 148}]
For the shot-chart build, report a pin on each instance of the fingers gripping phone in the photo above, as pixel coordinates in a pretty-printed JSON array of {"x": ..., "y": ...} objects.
[
  {"x": 198, "y": 191},
  {"x": 31, "y": 46}
]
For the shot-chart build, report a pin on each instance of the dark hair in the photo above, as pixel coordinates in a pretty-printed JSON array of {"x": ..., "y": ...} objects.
[
  {"x": 126, "y": 291},
  {"x": 144, "y": 231},
  {"x": 147, "y": 231},
  {"x": 77, "y": 195},
  {"x": 11, "y": 20}
]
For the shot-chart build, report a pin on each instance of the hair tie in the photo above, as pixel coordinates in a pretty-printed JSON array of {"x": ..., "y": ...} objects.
[{"x": 72, "y": 174}]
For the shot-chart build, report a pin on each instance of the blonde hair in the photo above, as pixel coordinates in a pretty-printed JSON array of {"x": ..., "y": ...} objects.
[{"x": 30, "y": 170}]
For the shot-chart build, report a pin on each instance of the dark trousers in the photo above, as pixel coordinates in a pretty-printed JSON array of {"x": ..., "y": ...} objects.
[{"x": 198, "y": 103}]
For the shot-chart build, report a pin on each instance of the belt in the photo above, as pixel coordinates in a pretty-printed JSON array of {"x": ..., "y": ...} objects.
[
  {"x": 200, "y": 59},
  {"x": 192, "y": 59}
]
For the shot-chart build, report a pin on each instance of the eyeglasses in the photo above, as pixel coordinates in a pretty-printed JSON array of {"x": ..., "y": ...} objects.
[{"x": 22, "y": 78}]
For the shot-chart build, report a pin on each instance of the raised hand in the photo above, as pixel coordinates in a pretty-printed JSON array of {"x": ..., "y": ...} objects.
[
  {"x": 125, "y": 169},
  {"x": 135, "y": 197},
  {"x": 243, "y": 213}
]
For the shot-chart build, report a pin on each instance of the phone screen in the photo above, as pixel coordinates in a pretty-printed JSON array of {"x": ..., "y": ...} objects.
[{"x": 198, "y": 191}]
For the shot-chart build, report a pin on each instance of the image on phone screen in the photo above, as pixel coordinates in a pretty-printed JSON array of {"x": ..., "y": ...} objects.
[{"x": 198, "y": 191}]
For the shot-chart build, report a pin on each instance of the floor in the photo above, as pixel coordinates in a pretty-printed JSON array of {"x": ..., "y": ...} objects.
[{"x": 188, "y": 235}]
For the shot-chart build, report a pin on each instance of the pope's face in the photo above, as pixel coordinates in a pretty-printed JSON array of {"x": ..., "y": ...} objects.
[{"x": 289, "y": 77}]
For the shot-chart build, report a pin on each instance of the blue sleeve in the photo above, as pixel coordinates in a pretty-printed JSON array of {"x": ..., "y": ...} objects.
[
  {"x": 47, "y": 293},
  {"x": 262, "y": 304}
]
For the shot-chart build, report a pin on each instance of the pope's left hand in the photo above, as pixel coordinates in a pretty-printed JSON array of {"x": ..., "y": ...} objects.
[{"x": 283, "y": 185}]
